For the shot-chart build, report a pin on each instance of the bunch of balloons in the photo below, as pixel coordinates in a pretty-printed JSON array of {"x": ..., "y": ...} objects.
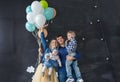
[{"x": 37, "y": 15}]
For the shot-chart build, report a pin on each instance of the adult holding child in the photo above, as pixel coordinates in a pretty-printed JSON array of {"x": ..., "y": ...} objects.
[
  {"x": 63, "y": 53},
  {"x": 42, "y": 74}
]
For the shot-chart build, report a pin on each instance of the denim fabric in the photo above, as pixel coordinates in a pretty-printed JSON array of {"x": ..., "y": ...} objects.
[{"x": 75, "y": 68}]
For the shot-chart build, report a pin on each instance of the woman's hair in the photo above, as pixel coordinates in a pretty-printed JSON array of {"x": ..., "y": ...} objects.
[
  {"x": 51, "y": 43},
  {"x": 71, "y": 32}
]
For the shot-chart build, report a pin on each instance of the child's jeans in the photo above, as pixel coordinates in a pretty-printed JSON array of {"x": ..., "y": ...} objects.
[{"x": 75, "y": 68}]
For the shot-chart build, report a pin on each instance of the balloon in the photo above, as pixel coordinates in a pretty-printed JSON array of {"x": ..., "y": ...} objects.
[
  {"x": 28, "y": 9},
  {"x": 40, "y": 21},
  {"x": 54, "y": 13},
  {"x": 44, "y": 4},
  {"x": 36, "y": 7},
  {"x": 45, "y": 32},
  {"x": 49, "y": 13},
  {"x": 30, "y": 17},
  {"x": 30, "y": 27}
]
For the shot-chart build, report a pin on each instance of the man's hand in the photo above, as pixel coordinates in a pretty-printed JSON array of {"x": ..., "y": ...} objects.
[{"x": 70, "y": 58}]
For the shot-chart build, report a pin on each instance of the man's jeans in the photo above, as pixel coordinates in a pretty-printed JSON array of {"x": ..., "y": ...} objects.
[{"x": 62, "y": 76}]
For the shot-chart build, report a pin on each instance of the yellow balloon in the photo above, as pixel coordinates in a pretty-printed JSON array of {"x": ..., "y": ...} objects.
[{"x": 44, "y": 4}]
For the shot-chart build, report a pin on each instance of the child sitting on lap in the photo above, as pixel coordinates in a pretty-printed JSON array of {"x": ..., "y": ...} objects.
[{"x": 51, "y": 60}]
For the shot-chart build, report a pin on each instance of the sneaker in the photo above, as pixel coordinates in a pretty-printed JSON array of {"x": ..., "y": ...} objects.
[
  {"x": 80, "y": 80},
  {"x": 57, "y": 74},
  {"x": 70, "y": 79}
]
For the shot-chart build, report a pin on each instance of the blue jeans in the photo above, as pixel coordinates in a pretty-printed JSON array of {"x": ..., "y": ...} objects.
[
  {"x": 54, "y": 64},
  {"x": 62, "y": 76},
  {"x": 75, "y": 68}
]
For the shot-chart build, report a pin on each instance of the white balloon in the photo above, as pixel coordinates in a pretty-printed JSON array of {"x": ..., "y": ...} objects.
[
  {"x": 40, "y": 21},
  {"x": 36, "y": 7},
  {"x": 31, "y": 17}
]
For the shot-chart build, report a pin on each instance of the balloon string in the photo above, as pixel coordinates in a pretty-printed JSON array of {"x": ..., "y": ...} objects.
[{"x": 39, "y": 43}]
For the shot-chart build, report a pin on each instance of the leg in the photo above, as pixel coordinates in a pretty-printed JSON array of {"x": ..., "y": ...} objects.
[
  {"x": 62, "y": 76},
  {"x": 49, "y": 73},
  {"x": 77, "y": 71},
  {"x": 68, "y": 68},
  {"x": 69, "y": 71},
  {"x": 43, "y": 70}
]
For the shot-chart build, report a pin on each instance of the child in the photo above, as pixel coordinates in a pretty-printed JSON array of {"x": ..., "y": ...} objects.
[
  {"x": 55, "y": 57},
  {"x": 71, "y": 46},
  {"x": 47, "y": 64},
  {"x": 50, "y": 61}
]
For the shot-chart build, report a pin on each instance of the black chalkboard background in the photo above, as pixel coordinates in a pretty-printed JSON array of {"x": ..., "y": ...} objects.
[{"x": 96, "y": 23}]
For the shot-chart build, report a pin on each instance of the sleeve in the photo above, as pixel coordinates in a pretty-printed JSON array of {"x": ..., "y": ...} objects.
[
  {"x": 77, "y": 56},
  {"x": 72, "y": 45},
  {"x": 43, "y": 41}
]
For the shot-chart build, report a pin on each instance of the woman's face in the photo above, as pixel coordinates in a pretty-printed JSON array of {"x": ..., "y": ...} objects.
[{"x": 53, "y": 44}]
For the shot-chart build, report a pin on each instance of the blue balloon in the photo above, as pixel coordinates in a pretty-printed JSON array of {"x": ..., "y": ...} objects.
[
  {"x": 49, "y": 13},
  {"x": 28, "y": 9},
  {"x": 30, "y": 27}
]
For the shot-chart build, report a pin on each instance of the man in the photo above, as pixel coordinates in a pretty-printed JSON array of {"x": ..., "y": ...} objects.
[{"x": 62, "y": 75}]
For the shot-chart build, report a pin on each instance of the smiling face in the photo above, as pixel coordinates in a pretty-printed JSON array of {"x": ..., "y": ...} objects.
[
  {"x": 53, "y": 44},
  {"x": 60, "y": 40},
  {"x": 70, "y": 35}
]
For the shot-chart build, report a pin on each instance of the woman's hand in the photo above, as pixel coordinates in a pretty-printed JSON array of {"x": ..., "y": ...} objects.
[
  {"x": 46, "y": 25},
  {"x": 42, "y": 29},
  {"x": 40, "y": 51}
]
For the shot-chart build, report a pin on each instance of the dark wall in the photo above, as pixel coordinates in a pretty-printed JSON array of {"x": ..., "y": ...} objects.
[{"x": 96, "y": 23}]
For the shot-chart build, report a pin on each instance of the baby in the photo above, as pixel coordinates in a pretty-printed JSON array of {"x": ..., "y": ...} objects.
[
  {"x": 47, "y": 65},
  {"x": 51, "y": 61},
  {"x": 55, "y": 57}
]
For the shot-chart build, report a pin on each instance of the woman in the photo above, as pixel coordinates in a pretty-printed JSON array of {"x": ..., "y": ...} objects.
[{"x": 38, "y": 74}]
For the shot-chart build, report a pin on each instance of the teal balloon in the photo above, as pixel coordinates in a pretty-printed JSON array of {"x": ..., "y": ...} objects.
[
  {"x": 28, "y": 9},
  {"x": 49, "y": 13},
  {"x": 30, "y": 27}
]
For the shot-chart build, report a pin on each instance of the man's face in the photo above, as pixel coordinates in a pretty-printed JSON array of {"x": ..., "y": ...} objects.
[{"x": 60, "y": 40}]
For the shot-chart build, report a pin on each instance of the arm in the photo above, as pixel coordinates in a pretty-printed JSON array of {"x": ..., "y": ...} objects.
[
  {"x": 43, "y": 40},
  {"x": 76, "y": 57},
  {"x": 59, "y": 62}
]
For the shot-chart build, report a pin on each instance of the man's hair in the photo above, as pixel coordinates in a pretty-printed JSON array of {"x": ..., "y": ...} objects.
[{"x": 60, "y": 35}]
